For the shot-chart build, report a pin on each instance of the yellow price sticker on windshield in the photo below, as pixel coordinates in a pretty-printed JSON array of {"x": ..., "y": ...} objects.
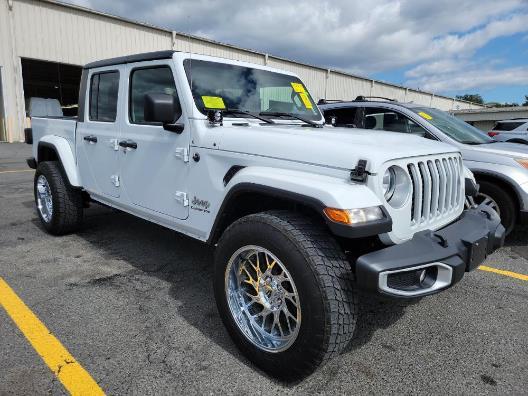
[
  {"x": 425, "y": 115},
  {"x": 298, "y": 87},
  {"x": 213, "y": 102},
  {"x": 306, "y": 100}
]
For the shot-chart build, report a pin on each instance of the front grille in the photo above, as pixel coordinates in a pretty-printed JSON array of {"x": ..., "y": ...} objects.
[{"x": 437, "y": 188}]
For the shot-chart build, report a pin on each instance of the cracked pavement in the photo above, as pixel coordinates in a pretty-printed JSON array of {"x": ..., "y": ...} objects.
[{"x": 133, "y": 303}]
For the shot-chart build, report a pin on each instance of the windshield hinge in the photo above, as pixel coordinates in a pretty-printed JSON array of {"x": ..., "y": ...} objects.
[{"x": 359, "y": 173}]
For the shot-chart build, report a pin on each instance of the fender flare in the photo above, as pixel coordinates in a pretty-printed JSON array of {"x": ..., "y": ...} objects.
[
  {"x": 314, "y": 191},
  {"x": 331, "y": 191},
  {"x": 66, "y": 157}
]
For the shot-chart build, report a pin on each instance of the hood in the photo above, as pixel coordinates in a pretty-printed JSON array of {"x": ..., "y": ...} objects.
[
  {"x": 330, "y": 147},
  {"x": 514, "y": 150},
  {"x": 495, "y": 153}
]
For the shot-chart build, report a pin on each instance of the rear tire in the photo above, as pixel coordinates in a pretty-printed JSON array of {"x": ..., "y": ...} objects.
[
  {"x": 315, "y": 266},
  {"x": 59, "y": 205},
  {"x": 506, "y": 204}
]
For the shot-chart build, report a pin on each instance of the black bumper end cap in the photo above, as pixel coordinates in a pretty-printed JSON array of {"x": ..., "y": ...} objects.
[{"x": 32, "y": 163}]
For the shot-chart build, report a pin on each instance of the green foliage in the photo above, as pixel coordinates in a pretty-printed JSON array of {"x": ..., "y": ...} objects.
[{"x": 475, "y": 98}]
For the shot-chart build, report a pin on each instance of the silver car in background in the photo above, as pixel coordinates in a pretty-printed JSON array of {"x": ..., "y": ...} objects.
[
  {"x": 501, "y": 169},
  {"x": 513, "y": 131}
]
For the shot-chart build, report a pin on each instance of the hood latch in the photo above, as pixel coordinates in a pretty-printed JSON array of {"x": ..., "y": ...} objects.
[{"x": 359, "y": 173}]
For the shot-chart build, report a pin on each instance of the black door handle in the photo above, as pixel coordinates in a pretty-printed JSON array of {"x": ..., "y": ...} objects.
[
  {"x": 90, "y": 138},
  {"x": 128, "y": 144}
]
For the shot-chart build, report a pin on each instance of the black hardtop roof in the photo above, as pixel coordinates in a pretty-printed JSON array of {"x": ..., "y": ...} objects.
[{"x": 146, "y": 56}]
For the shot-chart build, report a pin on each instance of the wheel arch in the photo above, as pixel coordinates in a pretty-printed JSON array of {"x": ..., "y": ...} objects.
[
  {"x": 501, "y": 182},
  {"x": 56, "y": 148},
  {"x": 248, "y": 198}
]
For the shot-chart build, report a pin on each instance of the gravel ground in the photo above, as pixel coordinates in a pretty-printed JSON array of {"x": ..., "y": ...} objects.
[{"x": 133, "y": 303}]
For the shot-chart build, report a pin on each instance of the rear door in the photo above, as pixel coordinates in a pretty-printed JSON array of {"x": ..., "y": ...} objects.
[
  {"x": 155, "y": 172},
  {"x": 97, "y": 136}
]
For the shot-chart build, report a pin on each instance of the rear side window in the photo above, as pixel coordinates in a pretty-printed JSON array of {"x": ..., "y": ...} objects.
[
  {"x": 104, "y": 88},
  {"x": 507, "y": 126},
  {"x": 345, "y": 117},
  {"x": 148, "y": 81}
]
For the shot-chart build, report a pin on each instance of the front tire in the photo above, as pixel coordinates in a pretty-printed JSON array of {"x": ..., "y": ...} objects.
[
  {"x": 282, "y": 262},
  {"x": 59, "y": 205},
  {"x": 499, "y": 200}
]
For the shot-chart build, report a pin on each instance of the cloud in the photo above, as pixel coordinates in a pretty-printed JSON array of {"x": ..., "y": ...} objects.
[
  {"x": 464, "y": 76},
  {"x": 354, "y": 35}
]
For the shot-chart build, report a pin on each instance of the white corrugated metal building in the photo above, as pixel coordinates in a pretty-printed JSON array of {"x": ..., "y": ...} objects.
[{"x": 43, "y": 43}]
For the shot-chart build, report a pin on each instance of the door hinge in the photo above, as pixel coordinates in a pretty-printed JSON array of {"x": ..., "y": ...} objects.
[
  {"x": 181, "y": 197},
  {"x": 115, "y": 180},
  {"x": 182, "y": 153},
  {"x": 114, "y": 144}
]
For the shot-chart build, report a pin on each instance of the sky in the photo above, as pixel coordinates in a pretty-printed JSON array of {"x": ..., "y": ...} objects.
[{"x": 449, "y": 47}]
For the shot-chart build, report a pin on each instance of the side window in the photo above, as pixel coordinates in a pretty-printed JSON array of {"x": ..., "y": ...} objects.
[
  {"x": 389, "y": 120},
  {"x": 147, "y": 81},
  {"x": 344, "y": 117},
  {"x": 104, "y": 88}
]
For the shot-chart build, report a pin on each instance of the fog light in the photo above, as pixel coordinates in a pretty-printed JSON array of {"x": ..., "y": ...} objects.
[{"x": 416, "y": 281}]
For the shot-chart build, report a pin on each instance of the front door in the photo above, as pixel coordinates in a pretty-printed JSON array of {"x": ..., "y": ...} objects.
[
  {"x": 97, "y": 136},
  {"x": 154, "y": 170}
]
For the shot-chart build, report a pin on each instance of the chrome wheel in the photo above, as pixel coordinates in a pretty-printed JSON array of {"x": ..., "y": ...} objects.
[
  {"x": 485, "y": 199},
  {"x": 262, "y": 298},
  {"x": 44, "y": 199}
]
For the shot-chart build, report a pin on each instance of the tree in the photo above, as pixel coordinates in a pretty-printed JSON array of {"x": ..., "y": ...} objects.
[
  {"x": 475, "y": 98},
  {"x": 505, "y": 104},
  {"x": 525, "y": 100}
]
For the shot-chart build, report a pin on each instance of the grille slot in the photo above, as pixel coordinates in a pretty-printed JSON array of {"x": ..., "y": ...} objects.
[{"x": 436, "y": 188}]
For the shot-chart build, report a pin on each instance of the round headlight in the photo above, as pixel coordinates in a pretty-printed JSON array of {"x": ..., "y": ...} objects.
[
  {"x": 396, "y": 185},
  {"x": 389, "y": 183}
]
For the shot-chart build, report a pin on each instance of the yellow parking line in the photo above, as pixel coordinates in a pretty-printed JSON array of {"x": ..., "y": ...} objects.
[
  {"x": 505, "y": 273},
  {"x": 18, "y": 170},
  {"x": 70, "y": 373}
]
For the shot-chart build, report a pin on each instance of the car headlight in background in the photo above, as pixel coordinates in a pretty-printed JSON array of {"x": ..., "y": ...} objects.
[
  {"x": 396, "y": 185},
  {"x": 522, "y": 162}
]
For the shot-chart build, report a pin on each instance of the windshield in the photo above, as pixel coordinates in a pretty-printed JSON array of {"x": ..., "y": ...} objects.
[
  {"x": 453, "y": 127},
  {"x": 221, "y": 86}
]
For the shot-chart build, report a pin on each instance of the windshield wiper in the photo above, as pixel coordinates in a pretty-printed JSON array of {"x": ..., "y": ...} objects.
[
  {"x": 243, "y": 112},
  {"x": 281, "y": 114}
]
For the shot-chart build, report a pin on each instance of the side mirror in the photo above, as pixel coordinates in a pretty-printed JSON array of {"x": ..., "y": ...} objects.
[{"x": 163, "y": 108}]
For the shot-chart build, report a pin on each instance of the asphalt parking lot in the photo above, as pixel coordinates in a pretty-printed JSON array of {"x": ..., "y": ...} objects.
[{"x": 133, "y": 303}]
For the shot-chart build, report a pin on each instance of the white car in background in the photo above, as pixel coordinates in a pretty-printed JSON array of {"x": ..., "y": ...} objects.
[{"x": 512, "y": 131}]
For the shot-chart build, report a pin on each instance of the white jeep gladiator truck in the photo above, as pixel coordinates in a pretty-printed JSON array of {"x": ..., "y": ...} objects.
[{"x": 301, "y": 215}]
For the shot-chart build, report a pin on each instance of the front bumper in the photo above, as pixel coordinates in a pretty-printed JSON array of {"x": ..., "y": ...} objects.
[{"x": 432, "y": 260}]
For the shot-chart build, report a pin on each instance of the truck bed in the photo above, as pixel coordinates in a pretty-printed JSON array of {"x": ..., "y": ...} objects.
[{"x": 58, "y": 126}]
